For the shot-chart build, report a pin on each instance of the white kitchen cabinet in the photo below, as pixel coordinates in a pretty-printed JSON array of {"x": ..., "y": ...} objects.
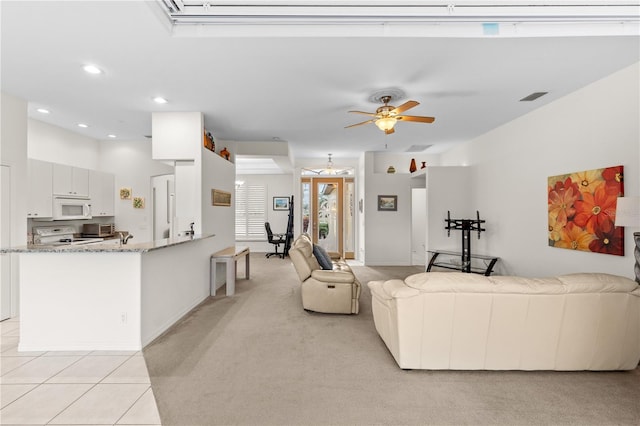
[
  {"x": 102, "y": 193},
  {"x": 39, "y": 198},
  {"x": 70, "y": 181}
]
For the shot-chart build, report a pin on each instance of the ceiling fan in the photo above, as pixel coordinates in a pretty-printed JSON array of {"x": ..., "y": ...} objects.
[{"x": 387, "y": 115}]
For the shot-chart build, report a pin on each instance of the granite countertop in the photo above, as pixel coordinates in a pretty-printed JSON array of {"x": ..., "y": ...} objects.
[{"x": 106, "y": 247}]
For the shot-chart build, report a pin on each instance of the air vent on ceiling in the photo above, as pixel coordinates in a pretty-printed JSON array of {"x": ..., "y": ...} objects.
[
  {"x": 174, "y": 6},
  {"x": 533, "y": 96},
  {"x": 417, "y": 148}
]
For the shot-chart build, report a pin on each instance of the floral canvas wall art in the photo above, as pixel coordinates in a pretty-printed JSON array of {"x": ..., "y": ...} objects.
[{"x": 582, "y": 211}]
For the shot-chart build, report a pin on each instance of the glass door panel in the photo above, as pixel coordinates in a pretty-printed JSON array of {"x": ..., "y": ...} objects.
[
  {"x": 327, "y": 217},
  {"x": 349, "y": 219},
  {"x": 328, "y": 213},
  {"x": 306, "y": 206}
]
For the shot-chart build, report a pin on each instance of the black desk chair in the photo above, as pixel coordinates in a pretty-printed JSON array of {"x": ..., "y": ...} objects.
[{"x": 276, "y": 240}]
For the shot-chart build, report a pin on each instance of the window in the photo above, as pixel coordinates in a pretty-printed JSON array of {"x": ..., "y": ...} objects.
[{"x": 251, "y": 212}]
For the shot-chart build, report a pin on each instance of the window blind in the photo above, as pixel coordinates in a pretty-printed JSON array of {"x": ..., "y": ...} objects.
[{"x": 251, "y": 212}]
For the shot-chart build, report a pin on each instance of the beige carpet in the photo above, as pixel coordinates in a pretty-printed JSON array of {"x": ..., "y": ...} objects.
[{"x": 258, "y": 358}]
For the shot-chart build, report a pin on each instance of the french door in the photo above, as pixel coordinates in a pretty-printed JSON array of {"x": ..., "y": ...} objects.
[{"x": 328, "y": 213}]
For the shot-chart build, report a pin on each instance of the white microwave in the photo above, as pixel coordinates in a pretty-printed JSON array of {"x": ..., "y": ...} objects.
[{"x": 71, "y": 208}]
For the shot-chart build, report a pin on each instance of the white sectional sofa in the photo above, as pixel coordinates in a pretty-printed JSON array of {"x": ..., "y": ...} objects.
[{"x": 453, "y": 320}]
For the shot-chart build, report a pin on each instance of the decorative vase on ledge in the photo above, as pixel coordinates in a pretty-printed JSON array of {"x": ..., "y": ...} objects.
[
  {"x": 424, "y": 165},
  {"x": 225, "y": 154},
  {"x": 413, "y": 167}
]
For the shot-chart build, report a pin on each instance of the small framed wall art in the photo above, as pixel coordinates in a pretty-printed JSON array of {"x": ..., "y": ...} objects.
[
  {"x": 387, "y": 203},
  {"x": 125, "y": 193},
  {"x": 138, "y": 202},
  {"x": 220, "y": 198},
  {"x": 281, "y": 203}
]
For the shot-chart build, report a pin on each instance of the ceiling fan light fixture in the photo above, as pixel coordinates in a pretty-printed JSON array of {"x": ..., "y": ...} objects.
[{"x": 386, "y": 123}]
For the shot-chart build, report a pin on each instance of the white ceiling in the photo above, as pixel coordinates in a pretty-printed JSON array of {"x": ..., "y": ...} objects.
[{"x": 254, "y": 85}]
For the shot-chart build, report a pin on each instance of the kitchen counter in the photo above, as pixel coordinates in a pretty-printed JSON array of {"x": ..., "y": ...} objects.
[
  {"x": 106, "y": 246},
  {"x": 103, "y": 296}
]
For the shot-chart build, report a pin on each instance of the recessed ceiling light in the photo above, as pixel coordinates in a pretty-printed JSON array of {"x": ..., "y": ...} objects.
[
  {"x": 111, "y": 136},
  {"x": 43, "y": 111},
  {"x": 84, "y": 126},
  {"x": 160, "y": 100},
  {"x": 92, "y": 69}
]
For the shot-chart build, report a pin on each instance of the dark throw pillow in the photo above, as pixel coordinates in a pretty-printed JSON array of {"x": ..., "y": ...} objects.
[{"x": 322, "y": 257}]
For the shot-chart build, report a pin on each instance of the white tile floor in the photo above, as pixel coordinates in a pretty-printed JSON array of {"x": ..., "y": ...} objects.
[{"x": 72, "y": 388}]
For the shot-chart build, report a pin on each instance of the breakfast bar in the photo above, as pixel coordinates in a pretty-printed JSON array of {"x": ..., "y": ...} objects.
[{"x": 109, "y": 297}]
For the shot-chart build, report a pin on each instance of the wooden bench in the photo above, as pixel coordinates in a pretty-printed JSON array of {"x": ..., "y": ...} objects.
[{"x": 229, "y": 257}]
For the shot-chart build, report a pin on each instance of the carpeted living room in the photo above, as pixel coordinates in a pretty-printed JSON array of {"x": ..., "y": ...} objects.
[
  {"x": 259, "y": 358},
  {"x": 320, "y": 212}
]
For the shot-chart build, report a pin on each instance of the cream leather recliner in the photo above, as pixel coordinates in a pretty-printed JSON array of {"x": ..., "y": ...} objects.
[{"x": 334, "y": 291}]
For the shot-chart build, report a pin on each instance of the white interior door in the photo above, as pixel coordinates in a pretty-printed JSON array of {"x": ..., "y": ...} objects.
[
  {"x": 163, "y": 205},
  {"x": 418, "y": 226},
  {"x": 5, "y": 241}
]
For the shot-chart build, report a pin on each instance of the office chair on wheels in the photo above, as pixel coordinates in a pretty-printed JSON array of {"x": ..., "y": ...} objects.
[{"x": 276, "y": 240}]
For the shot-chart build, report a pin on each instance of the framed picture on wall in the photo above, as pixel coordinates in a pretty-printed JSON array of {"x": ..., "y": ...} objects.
[
  {"x": 281, "y": 203},
  {"x": 138, "y": 203},
  {"x": 388, "y": 203},
  {"x": 220, "y": 198},
  {"x": 125, "y": 193}
]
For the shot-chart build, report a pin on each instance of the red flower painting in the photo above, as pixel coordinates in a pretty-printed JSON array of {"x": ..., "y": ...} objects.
[{"x": 582, "y": 211}]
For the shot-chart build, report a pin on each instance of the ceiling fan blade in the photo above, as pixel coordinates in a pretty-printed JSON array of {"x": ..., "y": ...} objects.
[
  {"x": 364, "y": 113},
  {"x": 415, "y": 118},
  {"x": 405, "y": 106},
  {"x": 388, "y": 132},
  {"x": 359, "y": 124}
]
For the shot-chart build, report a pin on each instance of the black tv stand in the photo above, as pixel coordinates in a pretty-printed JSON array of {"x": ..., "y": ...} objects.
[
  {"x": 463, "y": 262},
  {"x": 452, "y": 260}
]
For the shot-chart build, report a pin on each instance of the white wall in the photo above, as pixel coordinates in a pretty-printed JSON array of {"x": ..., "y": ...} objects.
[
  {"x": 57, "y": 145},
  {"x": 418, "y": 226},
  {"x": 131, "y": 163},
  {"x": 594, "y": 127},
  {"x": 13, "y": 153},
  {"x": 187, "y": 197},
  {"x": 387, "y": 233},
  {"x": 447, "y": 192},
  {"x": 5, "y": 241},
  {"x": 218, "y": 173},
  {"x": 176, "y": 135},
  {"x": 277, "y": 186}
]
